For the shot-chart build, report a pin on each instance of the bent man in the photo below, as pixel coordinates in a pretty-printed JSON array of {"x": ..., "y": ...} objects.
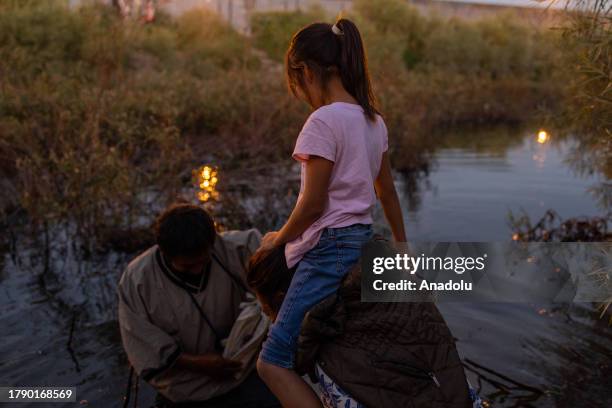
[{"x": 178, "y": 301}]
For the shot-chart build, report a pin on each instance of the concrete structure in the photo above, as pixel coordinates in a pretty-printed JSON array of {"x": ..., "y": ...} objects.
[{"x": 237, "y": 11}]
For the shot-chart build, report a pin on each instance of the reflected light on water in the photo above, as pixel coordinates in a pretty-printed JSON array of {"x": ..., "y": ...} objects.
[
  {"x": 540, "y": 154},
  {"x": 206, "y": 179},
  {"x": 543, "y": 136}
]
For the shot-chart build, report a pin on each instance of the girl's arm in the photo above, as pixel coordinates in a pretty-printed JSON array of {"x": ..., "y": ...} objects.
[
  {"x": 385, "y": 189},
  {"x": 312, "y": 204}
]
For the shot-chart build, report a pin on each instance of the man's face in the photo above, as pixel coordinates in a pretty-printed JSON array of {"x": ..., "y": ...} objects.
[{"x": 191, "y": 264}]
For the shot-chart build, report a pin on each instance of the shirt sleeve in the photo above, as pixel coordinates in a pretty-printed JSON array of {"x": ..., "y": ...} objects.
[
  {"x": 385, "y": 136},
  {"x": 315, "y": 139},
  {"x": 149, "y": 349}
]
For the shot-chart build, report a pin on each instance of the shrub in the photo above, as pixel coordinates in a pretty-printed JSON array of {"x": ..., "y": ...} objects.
[
  {"x": 588, "y": 34},
  {"x": 272, "y": 31},
  {"x": 101, "y": 119},
  {"x": 393, "y": 32}
]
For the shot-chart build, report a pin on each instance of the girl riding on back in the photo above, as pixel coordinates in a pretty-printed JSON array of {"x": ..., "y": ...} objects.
[{"x": 343, "y": 153}]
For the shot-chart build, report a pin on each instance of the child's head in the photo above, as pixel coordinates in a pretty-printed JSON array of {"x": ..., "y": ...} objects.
[
  {"x": 321, "y": 52},
  {"x": 269, "y": 277}
]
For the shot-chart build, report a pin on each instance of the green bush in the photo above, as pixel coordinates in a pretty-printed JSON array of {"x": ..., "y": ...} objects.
[
  {"x": 393, "y": 32},
  {"x": 588, "y": 34},
  {"x": 272, "y": 31},
  {"x": 496, "y": 47},
  {"x": 102, "y": 117},
  {"x": 203, "y": 36}
]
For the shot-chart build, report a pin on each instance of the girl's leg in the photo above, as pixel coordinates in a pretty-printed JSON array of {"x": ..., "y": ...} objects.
[
  {"x": 317, "y": 276},
  {"x": 290, "y": 389}
]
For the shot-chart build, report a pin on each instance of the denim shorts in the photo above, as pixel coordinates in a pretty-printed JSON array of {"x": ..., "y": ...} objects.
[{"x": 317, "y": 276}]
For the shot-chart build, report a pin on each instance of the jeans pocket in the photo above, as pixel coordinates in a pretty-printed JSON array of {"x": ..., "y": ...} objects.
[
  {"x": 348, "y": 256},
  {"x": 355, "y": 240},
  {"x": 352, "y": 244}
]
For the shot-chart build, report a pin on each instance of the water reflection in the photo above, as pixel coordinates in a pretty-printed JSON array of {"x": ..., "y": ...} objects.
[
  {"x": 206, "y": 178},
  {"x": 478, "y": 177},
  {"x": 475, "y": 179},
  {"x": 534, "y": 355},
  {"x": 543, "y": 136}
]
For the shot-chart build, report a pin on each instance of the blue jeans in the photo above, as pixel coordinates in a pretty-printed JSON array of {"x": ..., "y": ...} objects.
[{"x": 317, "y": 276}]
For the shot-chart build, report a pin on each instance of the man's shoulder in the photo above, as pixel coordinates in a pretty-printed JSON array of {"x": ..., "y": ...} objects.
[
  {"x": 237, "y": 243},
  {"x": 247, "y": 237},
  {"x": 136, "y": 270}
]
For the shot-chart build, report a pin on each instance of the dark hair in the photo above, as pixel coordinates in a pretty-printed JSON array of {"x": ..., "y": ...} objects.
[
  {"x": 184, "y": 230},
  {"x": 269, "y": 276},
  {"x": 325, "y": 53}
]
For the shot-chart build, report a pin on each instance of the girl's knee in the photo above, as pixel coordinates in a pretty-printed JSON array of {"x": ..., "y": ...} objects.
[
  {"x": 269, "y": 372},
  {"x": 264, "y": 370}
]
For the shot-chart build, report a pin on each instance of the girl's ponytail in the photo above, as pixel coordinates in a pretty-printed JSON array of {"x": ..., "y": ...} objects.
[
  {"x": 353, "y": 66},
  {"x": 327, "y": 50}
]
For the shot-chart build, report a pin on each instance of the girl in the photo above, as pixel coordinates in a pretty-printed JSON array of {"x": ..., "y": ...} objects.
[
  {"x": 343, "y": 151},
  {"x": 420, "y": 366}
]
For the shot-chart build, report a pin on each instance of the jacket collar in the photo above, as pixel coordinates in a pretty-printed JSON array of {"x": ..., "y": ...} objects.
[{"x": 179, "y": 278}]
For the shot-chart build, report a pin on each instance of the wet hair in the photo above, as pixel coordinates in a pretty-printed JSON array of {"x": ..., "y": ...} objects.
[
  {"x": 184, "y": 230},
  {"x": 269, "y": 276},
  {"x": 327, "y": 52}
]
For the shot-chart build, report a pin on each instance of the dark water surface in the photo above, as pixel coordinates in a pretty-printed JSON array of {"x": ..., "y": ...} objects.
[
  {"x": 478, "y": 178},
  {"x": 57, "y": 327}
]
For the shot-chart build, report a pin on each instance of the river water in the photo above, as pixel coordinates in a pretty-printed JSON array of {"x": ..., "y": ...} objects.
[{"x": 58, "y": 326}]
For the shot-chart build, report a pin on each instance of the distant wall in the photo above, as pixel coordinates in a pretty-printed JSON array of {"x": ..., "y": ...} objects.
[
  {"x": 237, "y": 11},
  {"x": 473, "y": 11}
]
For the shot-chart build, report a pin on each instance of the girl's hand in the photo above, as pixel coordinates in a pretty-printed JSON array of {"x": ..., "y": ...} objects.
[{"x": 268, "y": 241}]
